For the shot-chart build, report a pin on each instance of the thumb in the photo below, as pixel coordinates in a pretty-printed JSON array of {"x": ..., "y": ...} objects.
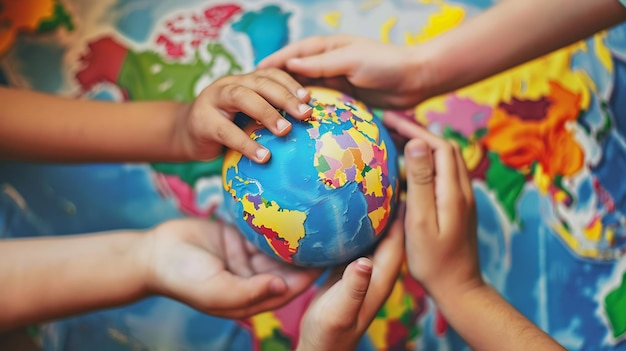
[
  {"x": 328, "y": 64},
  {"x": 353, "y": 289},
  {"x": 421, "y": 213}
]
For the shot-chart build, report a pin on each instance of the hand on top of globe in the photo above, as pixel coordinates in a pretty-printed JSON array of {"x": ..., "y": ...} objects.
[
  {"x": 206, "y": 125},
  {"x": 393, "y": 76},
  {"x": 211, "y": 267}
]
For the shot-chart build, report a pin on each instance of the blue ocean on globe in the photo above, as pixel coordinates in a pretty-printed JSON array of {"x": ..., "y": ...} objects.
[{"x": 328, "y": 191}]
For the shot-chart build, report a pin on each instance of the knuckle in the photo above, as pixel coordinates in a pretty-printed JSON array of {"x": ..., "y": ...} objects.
[
  {"x": 418, "y": 221},
  {"x": 288, "y": 96},
  {"x": 233, "y": 92},
  {"x": 260, "y": 80},
  {"x": 271, "y": 71},
  {"x": 421, "y": 175},
  {"x": 221, "y": 132},
  {"x": 358, "y": 293},
  {"x": 244, "y": 144}
]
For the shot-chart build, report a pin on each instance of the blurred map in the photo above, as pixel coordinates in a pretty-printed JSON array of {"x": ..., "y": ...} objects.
[{"x": 545, "y": 143}]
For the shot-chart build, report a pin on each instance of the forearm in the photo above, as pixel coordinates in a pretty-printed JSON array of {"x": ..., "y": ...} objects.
[
  {"x": 39, "y": 127},
  {"x": 510, "y": 33},
  {"x": 49, "y": 278},
  {"x": 488, "y": 322}
]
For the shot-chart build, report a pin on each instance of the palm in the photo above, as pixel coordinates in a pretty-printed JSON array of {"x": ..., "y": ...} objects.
[{"x": 211, "y": 267}]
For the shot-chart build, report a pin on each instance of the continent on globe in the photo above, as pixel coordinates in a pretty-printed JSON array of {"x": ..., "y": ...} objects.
[{"x": 329, "y": 190}]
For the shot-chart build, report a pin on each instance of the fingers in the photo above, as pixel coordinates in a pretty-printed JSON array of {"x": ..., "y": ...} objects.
[
  {"x": 352, "y": 289},
  {"x": 420, "y": 200},
  {"x": 223, "y": 131},
  {"x": 260, "y": 93},
  {"x": 340, "y": 62},
  {"x": 302, "y": 48},
  {"x": 297, "y": 279},
  {"x": 252, "y": 295},
  {"x": 448, "y": 192},
  {"x": 316, "y": 57},
  {"x": 245, "y": 296},
  {"x": 365, "y": 284},
  {"x": 387, "y": 261},
  {"x": 235, "y": 252},
  {"x": 464, "y": 179}
]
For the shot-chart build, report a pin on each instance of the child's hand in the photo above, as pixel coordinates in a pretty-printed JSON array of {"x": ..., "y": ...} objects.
[
  {"x": 344, "y": 309},
  {"x": 441, "y": 244},
  {"x": 207, "y": 125},
  {"x": 379, "y": 74},
  {"x": 440, "y": 220},
  {"x": 211, "y": 267}
]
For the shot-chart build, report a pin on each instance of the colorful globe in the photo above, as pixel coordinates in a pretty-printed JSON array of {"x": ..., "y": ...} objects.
[{"x": 329, "y": 190}]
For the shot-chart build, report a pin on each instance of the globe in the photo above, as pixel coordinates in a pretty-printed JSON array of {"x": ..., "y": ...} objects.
[{"x": 329, "y": 190}]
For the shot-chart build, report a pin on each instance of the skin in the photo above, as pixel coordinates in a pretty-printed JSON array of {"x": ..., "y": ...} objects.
[
  {"x": 439, "y": 227},
  {"x": 442, "y": 252},
  {"x": 73, "y": 130},
  {"x": 399, "y": 77},
  {"x": 395, "y": 77},
  {"x": 179, "y": 260},
  {"x": 176, "y": 259},
  {"x": 354, "y": 299}
]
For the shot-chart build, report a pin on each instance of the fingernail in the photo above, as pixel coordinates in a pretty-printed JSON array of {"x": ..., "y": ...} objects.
[
  {"x": 415, "y": 150},
  {"x": 282, "y": 124},
  {"x": 364, "y": 264},
  {"x": 301, "y": 93},
  {"x": 304, "y": 108},
  {"x": 261, "y": 154}
]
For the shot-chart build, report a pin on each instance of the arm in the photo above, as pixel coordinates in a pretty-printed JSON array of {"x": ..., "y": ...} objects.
[
  {"x": 35, "y": 126},
  {"x": 485, "y": 320},
  {"x": 399, "y": 77},
  {"x": 442, "y": 252},
  {"x": 50, "y": 278},
  {"x": 44, "y": 279},
  {"x": 508, "y": 34}
]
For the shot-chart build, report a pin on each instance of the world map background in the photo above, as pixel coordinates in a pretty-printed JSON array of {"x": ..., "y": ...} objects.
[{"x": 544, "y": 143}]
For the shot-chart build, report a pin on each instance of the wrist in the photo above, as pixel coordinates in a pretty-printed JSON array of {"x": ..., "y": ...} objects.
[
  {"x": 182, "y": 142},
  {"x": 424, "y": 73},
  {"x": 140, "y": 257},
  {"x": 448, "y": 294}
]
